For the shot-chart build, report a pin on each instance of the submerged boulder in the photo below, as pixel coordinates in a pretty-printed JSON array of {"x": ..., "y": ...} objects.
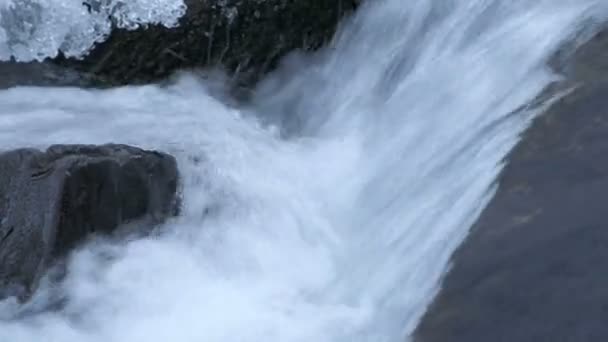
[
  {"x": 50, "y": 201},
  {"x": 245, "y": 37}
]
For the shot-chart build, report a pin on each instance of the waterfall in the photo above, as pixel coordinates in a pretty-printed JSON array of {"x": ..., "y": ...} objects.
[{"x": 325, "y": 210}]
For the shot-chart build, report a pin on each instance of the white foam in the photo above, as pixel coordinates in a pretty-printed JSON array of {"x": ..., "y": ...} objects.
[{"x": 37, "y": 29}]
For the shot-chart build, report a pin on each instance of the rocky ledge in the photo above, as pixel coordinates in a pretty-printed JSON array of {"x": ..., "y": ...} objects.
[
  {"x": 50, "y": 201},
  {"x": 245, "y": 37},
  {"x": 533, "y": 268}
]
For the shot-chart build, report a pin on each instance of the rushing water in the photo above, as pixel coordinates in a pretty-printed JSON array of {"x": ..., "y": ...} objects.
[{"x": 325, "y": 211}]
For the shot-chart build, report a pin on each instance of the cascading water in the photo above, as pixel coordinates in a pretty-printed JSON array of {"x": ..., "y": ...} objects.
[{"x": 339, "y": 229}]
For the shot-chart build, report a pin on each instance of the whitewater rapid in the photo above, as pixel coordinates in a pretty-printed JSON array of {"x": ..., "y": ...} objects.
[{"x": 325, "y": 210}]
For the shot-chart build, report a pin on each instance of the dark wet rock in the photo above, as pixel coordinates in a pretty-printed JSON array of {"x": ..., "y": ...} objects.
[
  {"x": 42, "y": 74},
  {"x": 534, "y": 267},
  {"x": 245, "y": 37},
  {"x": 591, "y": 64},
  {"x": 50, "y": 201}
]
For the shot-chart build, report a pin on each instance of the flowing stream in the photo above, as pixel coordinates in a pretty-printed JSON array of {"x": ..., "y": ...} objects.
[{"x": 325, "y": 210}]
